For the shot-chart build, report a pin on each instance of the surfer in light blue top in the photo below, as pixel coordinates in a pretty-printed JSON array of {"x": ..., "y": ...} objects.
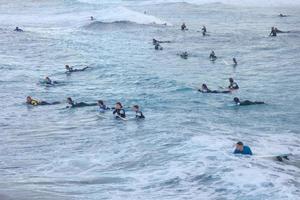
[{"x": 242, "y": 149}]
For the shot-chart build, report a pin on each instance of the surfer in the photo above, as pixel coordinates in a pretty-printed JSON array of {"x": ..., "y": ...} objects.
[
  {"x": 246, "y": 102},
  {"x": 119, "y": 112},
  {"x": 138, "y": 113},
  {"x": 212, "y": 56},
  {"x": 184, "y": 55},
  {"x": 282, "y": 15},
  {"x": 273, "y": 32},
  {"x": 34, "y": 102},
  {"x": 154, "y": 41},
  {"x": 92, "y": 18},
  {"x": 102, "y": 106},
  {"x": 240, "y": 148},
  {"x": 18, "y": 29},
  {"x": 203, "y": 30},
  {"x": 234, "y": 62},
  {"x": 183, "y": 27},
  {"x": 48, "y": 81},
  {"x": 205, "y": 89},
  {"x": 76, "y": 105},
  {"x": 232, "y": 84},
  {"x": 158, "y": 47},
  {"x": 70, "y": 69}
]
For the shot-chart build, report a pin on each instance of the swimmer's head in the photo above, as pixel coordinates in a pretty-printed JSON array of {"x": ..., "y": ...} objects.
[
  {"x": 231, "y": 80},
  {"x": 70, "y": 101},
  {"x": 239, "y": 146},
  {"x": 118, "y": 105},
  {"x": 236, "y": 100},
  {"x": 135, "y": 108},
  {"x": 28, "y": 99},
  {"x": 100, "y": 103},
  {"x": 204, "y": 87}
]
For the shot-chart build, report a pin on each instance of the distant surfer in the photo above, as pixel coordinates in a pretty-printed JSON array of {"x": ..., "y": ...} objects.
[
  {"x": 138, "y": 113},
  {"x": 119, "y": 112},
  {"x": 34, "y": 102},
  {"x": 246, "y": 102},
  {"x": 158, "y": 47},
  {"x": 18, "y": 29},
  {"x": 48, "y": 81},
  {"x": 154, "y": 41},
  {"x": 233, "y": 85},
  {"x": 282, "y": 15},
  {"x": 205, "y": 89},
  {"x": 102, "y": 106},
  {"x": 70, "y": 69},
  {"x": 234, "y": 62},
  {"x": 184, "y": 55},
  {"x": 273, "y": 32},
  {"x": 203, "y": 30},
  {"x": 72, "y": 104},
  {"x": 92, "y": 18},
  {"x": 240, "y": 148},
  {"x": 212, "y": 56},
  {"x": 183, "y": 27}
]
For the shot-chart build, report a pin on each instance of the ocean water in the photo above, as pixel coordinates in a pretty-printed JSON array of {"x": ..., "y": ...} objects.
[{"x": 183, "y": 150}]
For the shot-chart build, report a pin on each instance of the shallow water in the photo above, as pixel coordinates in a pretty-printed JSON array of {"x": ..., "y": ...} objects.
[{"x": 183, "y": 148}]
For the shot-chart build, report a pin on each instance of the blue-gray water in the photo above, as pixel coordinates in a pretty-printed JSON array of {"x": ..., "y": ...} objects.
[{"x": 183, "y": 150}]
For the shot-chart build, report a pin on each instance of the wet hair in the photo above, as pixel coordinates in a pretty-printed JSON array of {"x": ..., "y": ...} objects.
[
  {"x": 101, "y": 102},
  {"x": 119, "y": 103},
  {"x": 69, "y": 99},
  {"x": 136, "y": 106},
  {"x": 235, "y": 99},
  {"x": 204, "y": 86},
  {"x": 230, "y": 79},
  {"x": 240, "y": 143},
  {"x": 67, "y": 66}
]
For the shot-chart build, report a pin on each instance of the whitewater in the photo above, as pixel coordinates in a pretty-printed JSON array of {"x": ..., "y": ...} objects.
[{"x": 183, "y": 149}]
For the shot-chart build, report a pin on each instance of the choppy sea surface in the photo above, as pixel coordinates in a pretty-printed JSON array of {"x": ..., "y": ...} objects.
[{"x": 183, "y": 150}]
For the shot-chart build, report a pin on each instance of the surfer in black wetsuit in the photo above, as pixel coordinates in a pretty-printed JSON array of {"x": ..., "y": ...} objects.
[
  {"x": 48, "y": 81},
  {"x": 158, "y": 47},
  {"x": 154, "y": 41},
  {"x": 70, "y": 69},
  {"x": 234, "y": 62},
  {"x": 212, "y": 56},
  {"x": 282, "y": 15},
  {"x": 205, "y": 89},
  {"x": 273, "y": 32},
  {"x": 92, "y": 18},
  {"x": 119, "y": 112},
  {"x": 138, "y": 113},
  {"x": 102, "y": 106},
  {"x": 184, "y": 55},
  {"x": 76, "y": 105},
  {"x": 183, "y": 27},
  {"x": 33, "y": 102},
  {"x": 246, "y": 102},
  {"x": 203, "y": 30},
  {"x": 18, "y": 29},
  {"x": 232, "y": 84}
]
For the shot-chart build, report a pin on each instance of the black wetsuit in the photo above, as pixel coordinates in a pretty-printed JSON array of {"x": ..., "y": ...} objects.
[
  {"x": 233, "y": 86},
  {"x": 119, "y": 113},
  {"x": 184, "y": 55},
  {"x": 212, "y": 56},
  {"x": 82, "y": 104},
  {"x": 213, "y": 91},
  {"x": 183, "y": 27},
  {"x": 76, "y": 70},
  {"x": 247, "y": 103},
  {"x": 158, "y": 47},
  {"x": 139, "y": 115},
  {"x": 204, "y": 31},
  {"x": 273, "y": 33}
]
